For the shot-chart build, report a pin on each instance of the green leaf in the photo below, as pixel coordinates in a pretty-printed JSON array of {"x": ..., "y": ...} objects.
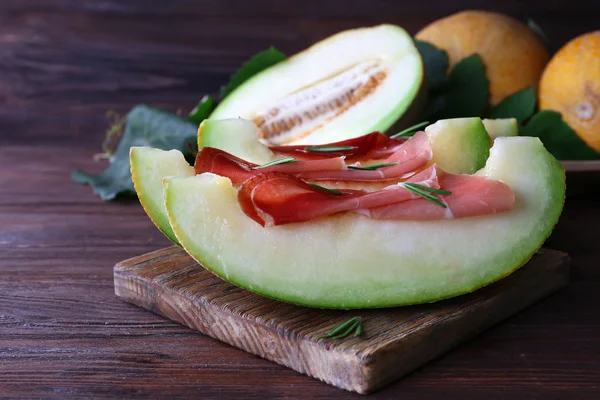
[
  {"x": 520, "y": 105},
  {"x": 329, "y": 149},
  {"x": 202, "y": 110},
  {"x": 558, "y": 137},
  {"x": 410, "y": 131},
  {"x": 324, "y": 189},
  {"x": 144, "y": 126},
  {"x": 284, "y": 160},
  {"x": 256, "y": 64},
  {"x": 435, "y": 62},
  {"x": 466, "y": 94}
]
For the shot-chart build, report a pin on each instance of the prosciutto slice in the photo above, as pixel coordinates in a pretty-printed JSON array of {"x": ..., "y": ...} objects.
[
  {"x": 275, "y": 198},
  {"x": 471, "y": 196},
  {"x": 407, "y": 157},
  {"x": 238, "y": 170},
  {"x": 410, "y": 156},
  {"x": 374, "y": 146}
]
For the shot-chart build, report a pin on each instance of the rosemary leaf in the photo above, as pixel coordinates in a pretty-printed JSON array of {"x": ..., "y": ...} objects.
[
  {"x": 327, "y": 149},
  {"x": 408, "y": 186},
  {"x": 353, "y": 325},
  {"x": 359, "y": 329},
  {"x": 284, "y": 160},
  {"x": 428, "y": 189},
  {"x": 410, "y": 130},
  {"x": 373, "y": 167},
  {"x": 330, "y": 191}
]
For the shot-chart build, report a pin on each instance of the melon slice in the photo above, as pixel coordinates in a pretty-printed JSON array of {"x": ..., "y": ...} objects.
[
  {"x": 354, "y": 82},
  {"x": 351, "y": 261},
  {"x": 148, "y": 168},
  {"x": 501, "y": 127}
]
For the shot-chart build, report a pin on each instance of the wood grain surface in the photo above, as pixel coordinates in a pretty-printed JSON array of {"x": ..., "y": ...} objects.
[
  {"x": 64, "y": 334},
  {"x": 395, "y": 341}
]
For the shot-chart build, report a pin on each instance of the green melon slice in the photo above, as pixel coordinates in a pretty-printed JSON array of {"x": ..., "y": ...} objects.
[
  {"x": 350, "y": 261},
  {"x": 148, "y": 168},
  {"x": 501, "y": 127},
  {"x": 460, "y": 145},
  {"x": 354, "y": 82}
]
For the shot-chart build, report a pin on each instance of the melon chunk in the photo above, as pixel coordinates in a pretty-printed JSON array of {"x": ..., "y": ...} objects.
[
  {"x": 351, "y": 261},
  {"x": 148, "y": 167},
  {"x": 356, "y": 81},
  {"x": 501, "y": 127},
  {"x": 460, "y": 145}
]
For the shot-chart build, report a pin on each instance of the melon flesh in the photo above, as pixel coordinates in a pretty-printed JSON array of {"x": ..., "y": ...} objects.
[
  {"x": 460, "y": 145},
  {"x": 350, "y": 261},
  {"x": 501, "y": 127},
  {"x": 148, "y": 167},
  {"x": 357, "y": 81}
]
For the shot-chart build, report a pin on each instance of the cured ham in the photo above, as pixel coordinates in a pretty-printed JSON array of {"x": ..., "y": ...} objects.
[
  {"x": 222, "y": 163},
  {"x": 471, "y": 196},
  {"x": 407, "y": 186},
  {"x": 374, "y": 146},
  {"x": 275, "y": 198},
  {"x": 407, "y": 157}
]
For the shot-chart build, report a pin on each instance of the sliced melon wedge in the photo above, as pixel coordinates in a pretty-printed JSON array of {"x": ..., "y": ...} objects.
[
  {"x": 350, "y": 261},
  {"x": 148, "y": 167},
  {"x": 357, "y": 81}
]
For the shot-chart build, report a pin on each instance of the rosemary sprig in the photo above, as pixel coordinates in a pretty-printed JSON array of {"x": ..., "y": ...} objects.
[
  {"x": 328, "y": 149},
  {"x": 373, "y": 167},
  {"x": 429, "y": 189},
  {"x": 408, "y": 132},
  {"x": 417, "y": 189},
  {"x": 284, "y": 160},
  {"x": 323, "y": 188},
  {"x": 353, "y": 325}
]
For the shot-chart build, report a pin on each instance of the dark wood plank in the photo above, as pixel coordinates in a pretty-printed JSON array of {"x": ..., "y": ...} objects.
[{"x": 395, "y": 342}]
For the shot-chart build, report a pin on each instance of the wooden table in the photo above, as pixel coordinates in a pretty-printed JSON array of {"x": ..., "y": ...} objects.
[{"x": 63, "y": 333}]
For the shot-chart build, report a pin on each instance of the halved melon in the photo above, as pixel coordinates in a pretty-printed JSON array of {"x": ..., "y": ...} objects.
[
  {"x": 501, "y": 127},
  {"x": 351, "y": 261},
  {"x": 351, "y": 83},
  {"x": 148, "y": 168}
]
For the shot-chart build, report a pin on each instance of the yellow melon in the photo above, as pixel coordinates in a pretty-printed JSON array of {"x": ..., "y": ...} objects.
[
  {"x": 514, "y": 56},
  {"x": 571, "y": 85}
]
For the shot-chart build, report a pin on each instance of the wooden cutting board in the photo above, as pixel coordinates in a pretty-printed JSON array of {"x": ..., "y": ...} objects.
[{"x": 395, "y": 341}]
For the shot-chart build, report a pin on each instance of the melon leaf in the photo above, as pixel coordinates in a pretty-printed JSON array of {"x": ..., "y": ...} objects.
[
  {"x": 435, "y": 62},
  {"x": 467, "y": 92},
  {"x": 558, "y": 137},
  {"x": 202, "y": 110},
  {"x": 520, "y": 105},
  {"x": 145, "y": 126}
]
